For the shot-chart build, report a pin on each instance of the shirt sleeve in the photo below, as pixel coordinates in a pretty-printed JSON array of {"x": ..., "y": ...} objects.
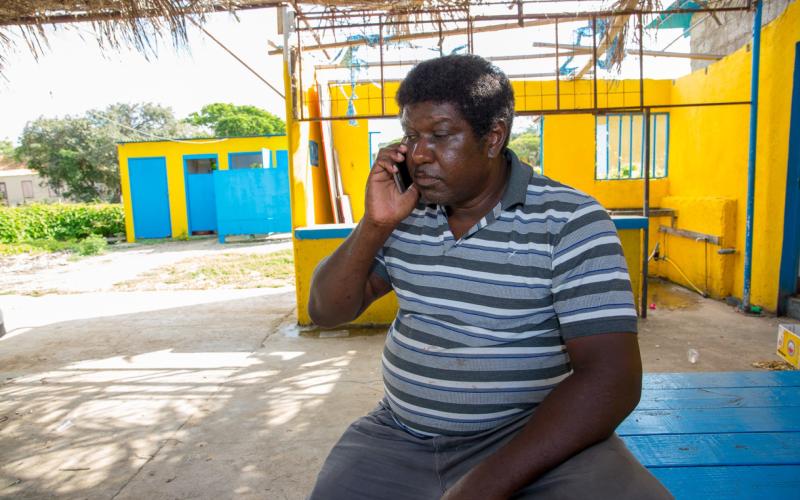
[{"x": 591, "y": 287}]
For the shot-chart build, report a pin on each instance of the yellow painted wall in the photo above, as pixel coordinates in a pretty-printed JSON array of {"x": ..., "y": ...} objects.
[
  {"x": 351, "y": 138},
  {"x": 709, "y": 148},
  {"x": 631, "y": 240},
  {"x": 569, "y": 139},
  {"x": 174, "y": 152},
  {"x": 699, "y": 261},
  {"x": 569, "y": 158},
  {"x": 323, "y": 211},
  {"x": 308, "y": 253}
]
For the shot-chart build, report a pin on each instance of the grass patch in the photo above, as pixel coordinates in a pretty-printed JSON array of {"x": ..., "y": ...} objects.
[
  {"x": 228, "y": 270},
  {"x": 38, "y": 246},
  {"x": 92, "y": 245}
]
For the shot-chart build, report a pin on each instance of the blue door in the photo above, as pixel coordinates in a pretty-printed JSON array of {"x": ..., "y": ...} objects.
[
  {"x": 149, "y": 197},
  {"x": 278, "y": 189},
  {"x": 200, "y": 204}
]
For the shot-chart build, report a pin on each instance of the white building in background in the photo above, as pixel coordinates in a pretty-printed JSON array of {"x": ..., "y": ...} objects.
[{"x": 20, "y": 185}]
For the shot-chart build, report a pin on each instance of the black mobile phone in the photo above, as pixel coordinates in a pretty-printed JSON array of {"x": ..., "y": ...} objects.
[{"x": 402, "y": 178}]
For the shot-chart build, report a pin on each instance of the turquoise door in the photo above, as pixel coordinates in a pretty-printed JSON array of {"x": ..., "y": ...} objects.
[
  {"x": 200, "y": 203},
  {"x": 278, "y": 187},
  {"x": 149, "y": 197}
]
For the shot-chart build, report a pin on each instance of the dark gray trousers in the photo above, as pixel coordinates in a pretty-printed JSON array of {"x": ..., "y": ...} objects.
[{"x": 377, "y": 459}]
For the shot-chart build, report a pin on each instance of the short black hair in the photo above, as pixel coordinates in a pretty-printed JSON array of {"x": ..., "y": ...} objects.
[{"x": 479, "y": 89}]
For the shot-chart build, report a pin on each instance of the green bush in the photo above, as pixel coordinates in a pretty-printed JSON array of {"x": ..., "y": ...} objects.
[
  {"x": 92, "y": 245},
  {"x": 60, "y": 222}
]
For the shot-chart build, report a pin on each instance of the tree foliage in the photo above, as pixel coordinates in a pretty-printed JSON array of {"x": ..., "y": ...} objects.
[
  {"x": 527, "y": 145},
  {"x": 229, "y": 120},
  {"x": 77, "y": 156},
  {"x": 6, "y": 149}
]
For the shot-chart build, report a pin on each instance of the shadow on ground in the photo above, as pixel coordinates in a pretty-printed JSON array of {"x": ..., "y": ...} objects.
[{"x": 210, "y": 400}]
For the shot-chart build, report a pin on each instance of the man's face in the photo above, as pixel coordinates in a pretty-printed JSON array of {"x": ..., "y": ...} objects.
[{"x": 448, "y": 164}]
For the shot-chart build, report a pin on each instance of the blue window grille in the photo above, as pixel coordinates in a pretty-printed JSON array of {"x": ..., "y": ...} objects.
[{"x": 620, "y": 146}]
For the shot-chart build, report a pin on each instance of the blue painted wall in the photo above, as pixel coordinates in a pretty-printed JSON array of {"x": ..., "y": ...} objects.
[
  {"x": 149, "y": 197},
  {"x": 253, "y": 201},
  {"x": 791, "y": 216}
]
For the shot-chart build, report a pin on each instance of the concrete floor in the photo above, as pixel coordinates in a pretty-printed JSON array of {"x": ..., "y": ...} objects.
[{"x": 217, "y": 394}]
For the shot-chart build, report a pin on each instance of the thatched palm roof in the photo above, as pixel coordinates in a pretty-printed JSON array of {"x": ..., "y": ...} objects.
[
  {"x": 116, "y": 23},
  {"x": 141, "y": 23}
]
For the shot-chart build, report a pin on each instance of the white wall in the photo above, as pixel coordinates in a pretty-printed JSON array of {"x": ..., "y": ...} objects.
[{"x": 13, "y": 181}]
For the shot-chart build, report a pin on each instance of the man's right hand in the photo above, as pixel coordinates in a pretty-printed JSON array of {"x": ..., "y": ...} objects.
[
  {"x": 385, "y": 205},
  {"x": 343, "y": 284}
]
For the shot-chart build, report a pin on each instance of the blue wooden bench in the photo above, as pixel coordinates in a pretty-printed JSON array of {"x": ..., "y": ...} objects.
[{"x": 719, "y": 435}]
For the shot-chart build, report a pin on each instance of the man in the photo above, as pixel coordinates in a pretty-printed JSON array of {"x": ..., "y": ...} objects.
[{"x": 513, "y": 356}]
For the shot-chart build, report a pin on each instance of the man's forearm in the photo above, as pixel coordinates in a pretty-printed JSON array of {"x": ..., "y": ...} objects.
[{"x": 339, "y": 282}]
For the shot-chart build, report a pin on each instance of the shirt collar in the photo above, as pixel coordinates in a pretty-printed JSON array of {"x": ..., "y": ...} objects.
[{"x": 517, "y": 187}]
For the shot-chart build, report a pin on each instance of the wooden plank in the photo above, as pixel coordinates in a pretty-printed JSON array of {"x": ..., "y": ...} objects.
[
  {"x": 721, "y": 379},
  {"x": 715, "y": 420},
  {"x": 730, "y": 483},
  {"x": 582, "y": 49},
  {"x": 719, "y": 397},
  {"x": 692, "y": 450}
]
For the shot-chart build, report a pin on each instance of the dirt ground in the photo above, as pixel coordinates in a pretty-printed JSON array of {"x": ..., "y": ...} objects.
[{"x": 216, "y": 393}]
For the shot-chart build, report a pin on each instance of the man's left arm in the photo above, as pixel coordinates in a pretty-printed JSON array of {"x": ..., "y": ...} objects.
[
  {"x": 593, "y": 300},
  {"x": 584, "y": 409}
]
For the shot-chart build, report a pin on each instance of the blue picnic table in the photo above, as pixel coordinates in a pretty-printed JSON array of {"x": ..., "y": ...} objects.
[{"x": 719, "y": 435}]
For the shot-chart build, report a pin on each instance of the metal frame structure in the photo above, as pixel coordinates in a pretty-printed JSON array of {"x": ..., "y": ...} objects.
[
  {"x": 359, "y": 19},
  {"x": 353, "y": 19}
]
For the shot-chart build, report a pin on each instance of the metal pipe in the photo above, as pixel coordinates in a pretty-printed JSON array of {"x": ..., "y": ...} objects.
[
  {"x": 751, "y": 158},
  {"x": 383, "y": 86},
  {"x": 558, "y": 74},
  {"x": 646, "y": 200},
  {"x": 641, "y": 62},
  {"x": 580, "y": 49},
  {"x": 646, "y": 214},
  {"x": 594, "y": 63},
  {"x": 537, "y": 112},
  {"x": 411, "y": 62},
  {"x": 300, "y": 76}
]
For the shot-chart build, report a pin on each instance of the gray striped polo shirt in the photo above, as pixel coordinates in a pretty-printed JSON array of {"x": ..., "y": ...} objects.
[{"x": 479, "y": 336}]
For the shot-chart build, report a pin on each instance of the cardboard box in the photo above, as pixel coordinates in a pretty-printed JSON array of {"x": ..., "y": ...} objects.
[{"x": 789, "y": 344}]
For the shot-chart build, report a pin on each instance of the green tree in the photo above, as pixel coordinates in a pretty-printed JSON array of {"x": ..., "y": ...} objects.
[
  {"x": 142, "y": 121},
  {"x": 6, "y": 149},
  {"x": 72, "y": 156},
  {"x": 527, "y": 146},
  {"x": 77, "y": 156},
  {"x": 229, "y": 120}
]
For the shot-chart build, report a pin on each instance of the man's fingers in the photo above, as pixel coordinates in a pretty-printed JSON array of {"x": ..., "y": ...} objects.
[{"x": 390, "y": 156}]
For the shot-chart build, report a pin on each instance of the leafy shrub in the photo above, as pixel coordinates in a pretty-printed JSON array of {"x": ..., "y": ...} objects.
[
  {"x": 92, "y": 245},
  {"x": 60, "y": 222}
]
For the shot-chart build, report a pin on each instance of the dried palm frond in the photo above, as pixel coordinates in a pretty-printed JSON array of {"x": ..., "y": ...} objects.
[
  {"x": 618, "y": 31},
  {"x": 141, "y": 24},
  {"x": 115, "y": 23}
]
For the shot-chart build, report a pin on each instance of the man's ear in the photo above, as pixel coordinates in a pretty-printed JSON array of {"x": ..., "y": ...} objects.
[{"x": 496, "y": 137}]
